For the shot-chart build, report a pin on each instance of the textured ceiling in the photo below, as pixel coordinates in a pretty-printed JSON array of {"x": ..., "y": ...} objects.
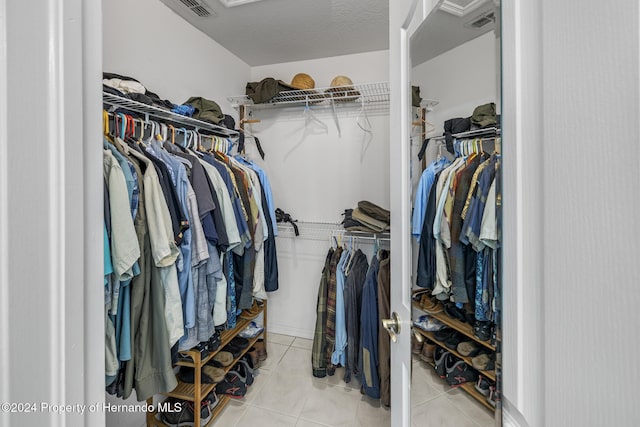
[{"x": 276, "y": 31}]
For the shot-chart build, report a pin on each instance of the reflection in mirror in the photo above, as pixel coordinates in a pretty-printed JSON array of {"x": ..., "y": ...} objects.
[{"x": 455, "y": 63}]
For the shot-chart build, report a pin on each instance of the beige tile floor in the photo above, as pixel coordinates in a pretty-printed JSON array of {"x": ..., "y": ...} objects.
[{"x": 286, "y": 394}]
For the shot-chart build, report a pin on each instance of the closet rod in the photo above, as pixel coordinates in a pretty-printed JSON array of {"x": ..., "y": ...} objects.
[
  {"x": 365, "y": 235},
  {"x": 148, "y": 111},
  {"x": 490, "y": 132}
]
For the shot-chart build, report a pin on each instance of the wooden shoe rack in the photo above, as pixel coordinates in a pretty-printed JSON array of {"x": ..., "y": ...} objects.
[
  {"x": 198, "y": 391},
  {"x": 467, "y": 330}
]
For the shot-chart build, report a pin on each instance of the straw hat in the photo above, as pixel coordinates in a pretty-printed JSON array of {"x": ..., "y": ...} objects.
[
  {"x": 342, "y": 89},
  {"x": 303, "y": 81}
]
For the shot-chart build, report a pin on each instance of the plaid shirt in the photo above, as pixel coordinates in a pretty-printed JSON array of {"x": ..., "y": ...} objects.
[
  {"x": 331, "y": 309},
  {"x": 318, "y": 359}
]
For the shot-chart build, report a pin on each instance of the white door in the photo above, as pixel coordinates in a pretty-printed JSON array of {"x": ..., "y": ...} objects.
[{"x": 401, "y": 20}]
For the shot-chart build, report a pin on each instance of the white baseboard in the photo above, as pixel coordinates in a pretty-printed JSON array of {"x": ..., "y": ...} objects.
[
  {"x": 289, "y": 330},
  {"x": 511, "y": 417}
]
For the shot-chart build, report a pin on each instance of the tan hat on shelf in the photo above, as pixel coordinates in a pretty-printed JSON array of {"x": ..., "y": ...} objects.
[
  {"x": 304, "y": 85},
  {"x": 303, "y": 81},
  {"x": 342, "y": 89}
]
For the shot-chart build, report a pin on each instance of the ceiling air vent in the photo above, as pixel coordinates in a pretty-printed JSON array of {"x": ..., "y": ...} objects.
[
  {"x": 198, "y": 8},
  {"x": 234, "y": 3},
  {"x": 482, "y": 20}
]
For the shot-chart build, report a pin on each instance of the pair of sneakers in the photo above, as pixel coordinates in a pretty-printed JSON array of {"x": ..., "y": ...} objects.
[
  {"x": 181, "y": 413},
  {"x": 235, "y": 383},
  {"x": 454, "y": 370}
]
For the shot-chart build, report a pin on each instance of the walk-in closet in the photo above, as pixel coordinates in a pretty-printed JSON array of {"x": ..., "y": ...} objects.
[
  {"x": 296, "y": 250},
  {"x": 318, "y": 213}
]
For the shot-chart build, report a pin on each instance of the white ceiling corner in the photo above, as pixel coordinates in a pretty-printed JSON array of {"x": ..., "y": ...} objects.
[{"x": 277, "y": 31}]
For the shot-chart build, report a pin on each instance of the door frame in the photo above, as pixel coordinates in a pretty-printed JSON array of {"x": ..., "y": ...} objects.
[{"x": 51, "y": 317}]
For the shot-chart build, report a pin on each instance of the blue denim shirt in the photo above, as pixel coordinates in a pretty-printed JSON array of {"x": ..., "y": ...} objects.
[
  {"x": 339, "y": 356},
  {"x": 180, "y": 181}
]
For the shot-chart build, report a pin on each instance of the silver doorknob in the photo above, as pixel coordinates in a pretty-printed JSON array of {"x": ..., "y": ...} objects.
[{"x": 392, "y": 326}]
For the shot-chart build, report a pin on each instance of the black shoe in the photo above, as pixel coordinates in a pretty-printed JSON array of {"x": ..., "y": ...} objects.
[
  {"x": 482, "y": 385},
  {"x": 240, "y": 342},
  {"x": 187, "y": 375},
  {"x": 213, "y": 400},
  {"x": 456, "y": 313},
  {"x": 453, "y": 341},
  {"x": 184, "y": 416},
  {"x": 232, "y": 386},
  {"x": 443, "y": 334},
  {"x": 440, "y": 357},
  {"x": 214, "y": 342},
  {"x": 244, "y": 371},
  {"x": 233, "y": 349},
  {"x": 201, "y": 347},
  {"x": 482, "y": 330},
  {"x": 461, "y": 373}
]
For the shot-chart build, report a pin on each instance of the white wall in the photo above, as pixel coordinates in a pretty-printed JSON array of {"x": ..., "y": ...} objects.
[
  {"x": 316, "y": 174},
  {"x": 146, "y": 40}
]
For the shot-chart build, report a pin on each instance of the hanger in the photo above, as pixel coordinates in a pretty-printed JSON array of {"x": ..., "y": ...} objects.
[
  {"x": 105, "y": 122},
  {"x": 367, "y": 123},
  {"x": 310, "y": 116}
]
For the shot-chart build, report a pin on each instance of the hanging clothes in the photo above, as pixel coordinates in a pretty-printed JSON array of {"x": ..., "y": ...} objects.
[
  {"x": 318, "y": 359},
  {"x": 187, "y": 234},
  {"x": 368, "y": 359},
  {"x": 353, "y": 308}
]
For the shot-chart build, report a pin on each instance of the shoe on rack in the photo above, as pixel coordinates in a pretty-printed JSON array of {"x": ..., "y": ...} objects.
[
  {"x": 224, "y": 358},
  {"x": 428, "y": 347},
  {"x": 240, "y": 342},
  {"x": 483, "y": 385},
  {"x": 187, "y": 375},
  {"x": 251, "y": 313},
  {"x": 484, "y": 362},
  {"x": 455, "y": 312},
  {"x": 494, "y": 396},
  {"x": 261, "y": 346},
  {"x": 430, "y": 304},
  {"x": 245, "y": 376},
  {"x": 185, "y": 416},
  {"x": 213, "y": 400},
  {"x": 416, "y": 346},
  {"x": 232, "y": 386},
  {"x": 214, "y": 342},
  {"x": 251, "y": 356},
  {"x": 468, "y": 348},
  {"x": 201, "y": 348},
  {"x": 245, "y": 371},
  {"x": 443, "y": 334},
  {"x": 251, "y": 331},
  {"x": 216, "y": 374},
  {"x": 453, "y": 341},
  {"x": 482, "y": 330},
  {"x": 461, "y": 373},
  {"x": 233, "y": 349},
  {"x": 440, "y": 356},
  {"x": 428, "y": 323}
]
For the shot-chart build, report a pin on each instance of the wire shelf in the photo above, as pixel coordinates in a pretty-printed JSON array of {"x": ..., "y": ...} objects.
[
  {"x": 368, "y": 96},
  {"x": 326, "y": 231},
  {"x": 152, "y": 111}
]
